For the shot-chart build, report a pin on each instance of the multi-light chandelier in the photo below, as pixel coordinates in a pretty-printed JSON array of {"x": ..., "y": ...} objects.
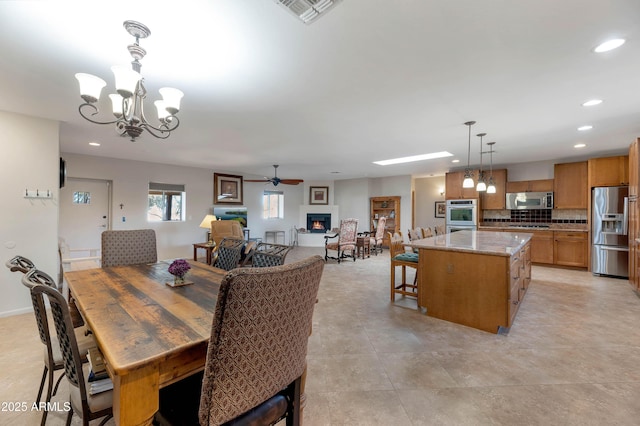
[
  {"x": 128, "y": 103},
  {"x": 468, "y": 174}
]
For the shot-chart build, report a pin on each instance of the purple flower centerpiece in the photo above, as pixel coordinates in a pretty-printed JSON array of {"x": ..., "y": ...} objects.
[{"x": 179, "y": 269}]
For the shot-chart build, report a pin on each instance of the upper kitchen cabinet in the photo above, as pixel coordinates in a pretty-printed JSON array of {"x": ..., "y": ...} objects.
[
  {"x": 453, "y": 186},
  {"x": 496, "y": 201},
  {"x": 570, "y": 185},
  {"x": 540, "y": 185},
  {"x": 609, "y": 171}
]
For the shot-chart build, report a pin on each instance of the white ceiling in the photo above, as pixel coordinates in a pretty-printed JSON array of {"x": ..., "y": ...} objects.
[{"x": 369, "y": 81}]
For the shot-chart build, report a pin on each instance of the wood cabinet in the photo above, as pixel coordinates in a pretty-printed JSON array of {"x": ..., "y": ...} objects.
[
  {"x": 570, "y": 185},
  {"x": 453, "y": 186},
  {"x": 561, "y": 248},
  {"x": 570, "y": 248},
  {"x": 476, "y": 288},
  {"x": 609, "y": 171},
  {"x": 388, "y": 207},
  {"x": 542, "y": 247},
  {"x": 539, "y": 185},
  {"x": 496, "y": 201}
]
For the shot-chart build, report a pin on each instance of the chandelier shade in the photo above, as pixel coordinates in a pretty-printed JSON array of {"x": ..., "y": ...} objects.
[{"x": 128, "y": 103}]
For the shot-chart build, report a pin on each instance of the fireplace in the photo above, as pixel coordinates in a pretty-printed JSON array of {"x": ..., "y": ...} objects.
[{"x": 318, "y": 222}]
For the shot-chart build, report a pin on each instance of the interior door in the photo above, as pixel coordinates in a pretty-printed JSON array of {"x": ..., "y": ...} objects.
[{"x": 84, "y": 214}]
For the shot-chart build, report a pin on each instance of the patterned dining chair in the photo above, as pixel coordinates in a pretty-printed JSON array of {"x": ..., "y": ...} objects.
[
  {"x": 375, "y": 245},
  {"x": 129, "y": 247},
  {"x": 346, "y": 241},
  {"x": 254, "y": 380}
]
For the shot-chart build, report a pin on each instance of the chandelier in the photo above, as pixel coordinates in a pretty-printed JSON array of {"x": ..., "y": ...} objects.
[{"x": 128, "y": 102}]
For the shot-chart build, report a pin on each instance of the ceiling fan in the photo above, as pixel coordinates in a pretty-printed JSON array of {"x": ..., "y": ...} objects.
[{"x": 275, "y": 180}]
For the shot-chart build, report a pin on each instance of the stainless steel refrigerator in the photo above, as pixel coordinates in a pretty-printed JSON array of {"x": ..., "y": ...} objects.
[{"x": 610, "y": 225}]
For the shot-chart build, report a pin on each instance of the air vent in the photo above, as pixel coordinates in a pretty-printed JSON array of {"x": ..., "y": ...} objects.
[{"x": 308, "y": 10}]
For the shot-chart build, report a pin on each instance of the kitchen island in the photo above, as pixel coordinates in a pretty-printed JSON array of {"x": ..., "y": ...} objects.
[{"x": 474, "y": 278}]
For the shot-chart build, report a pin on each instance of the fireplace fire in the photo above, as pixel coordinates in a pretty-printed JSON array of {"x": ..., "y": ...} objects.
[{"x": 318, "y": 222}]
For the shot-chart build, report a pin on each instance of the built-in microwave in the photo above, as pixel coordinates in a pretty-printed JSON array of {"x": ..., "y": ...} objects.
[
  {"x": 462, "y": 213},
  {"x": 529, "y": 200}
]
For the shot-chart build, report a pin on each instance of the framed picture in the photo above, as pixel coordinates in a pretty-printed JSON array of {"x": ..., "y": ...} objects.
[
  {"x": 319, "y": 195},
  {"x": 227, "y": 189},
  {"x": 441, "y": 209}
]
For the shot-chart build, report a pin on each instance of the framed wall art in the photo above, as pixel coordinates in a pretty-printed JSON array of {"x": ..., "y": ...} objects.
[
  {"x": 319, "y": 195},
  {"x": 227, "y": 189},
  {"x": 441, "y": 209}
]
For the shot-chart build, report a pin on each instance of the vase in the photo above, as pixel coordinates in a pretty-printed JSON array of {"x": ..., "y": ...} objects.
[{"x": 178, "y": 280}]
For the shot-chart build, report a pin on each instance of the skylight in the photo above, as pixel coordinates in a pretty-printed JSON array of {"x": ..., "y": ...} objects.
[{"x": 412, "y": 158}]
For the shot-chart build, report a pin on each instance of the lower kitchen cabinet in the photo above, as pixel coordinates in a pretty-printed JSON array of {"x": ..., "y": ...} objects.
[
  {"x": 542, "y": 247},
  {"x": 570, "y": 248}
]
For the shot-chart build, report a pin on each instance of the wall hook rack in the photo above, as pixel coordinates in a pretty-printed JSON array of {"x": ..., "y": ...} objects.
[{"x": 38, "y": 193}]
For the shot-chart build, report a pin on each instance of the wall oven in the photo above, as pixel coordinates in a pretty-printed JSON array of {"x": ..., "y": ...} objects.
[{"x": 462, "y": 214}]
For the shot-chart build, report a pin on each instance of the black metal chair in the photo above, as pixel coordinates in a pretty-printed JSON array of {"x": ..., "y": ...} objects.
[
  {"x": 269, "y": 254},
  {"x": 53, "y": 359},
  {"x": 89, "y": 407}
]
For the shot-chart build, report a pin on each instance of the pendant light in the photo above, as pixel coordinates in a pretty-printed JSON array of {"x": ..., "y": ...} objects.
[
  {"x": 468, "y": 176},
  {"x": 481, "y": 186},
  {"x": 491, "y": 189}
]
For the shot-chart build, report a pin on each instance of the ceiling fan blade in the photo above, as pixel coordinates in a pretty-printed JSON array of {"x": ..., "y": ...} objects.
[
  {"x": 257, "y": 180},
  {"x": 291, "y": 181}
]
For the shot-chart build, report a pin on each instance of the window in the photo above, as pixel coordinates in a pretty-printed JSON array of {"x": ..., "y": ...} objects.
[
  {"x": 273, "y": 205},
  {"x": 166, "y": 202}
]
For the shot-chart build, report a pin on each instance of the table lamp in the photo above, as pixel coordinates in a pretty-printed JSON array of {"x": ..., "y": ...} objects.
[{"x": 206, "y": 223}]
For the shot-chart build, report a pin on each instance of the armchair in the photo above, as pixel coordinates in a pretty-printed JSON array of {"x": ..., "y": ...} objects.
[{"x": 347, "y": 238}]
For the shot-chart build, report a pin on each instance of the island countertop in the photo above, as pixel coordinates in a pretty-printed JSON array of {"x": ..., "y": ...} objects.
[{"x": 481, "y": 242}]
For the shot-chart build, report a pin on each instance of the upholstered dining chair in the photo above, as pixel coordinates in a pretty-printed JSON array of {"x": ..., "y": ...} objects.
[
  {"x": 427, "y": 232},
  {"x": 346, "y": 241},
  {"x": 129, "y": 247},
  {"x": 440, "y": 230},
  {"x": 377, "y": 236},
  {"x": 404, "y": 259},
  {"x": 253, "y": 369},
  {"x": 415, "y": 234},
  {"x": 53, "y": 360},
  {"x": 88, "y": 407}
]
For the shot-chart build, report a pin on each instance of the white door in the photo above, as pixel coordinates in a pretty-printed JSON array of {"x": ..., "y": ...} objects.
[{"x": 84, "y": 214}]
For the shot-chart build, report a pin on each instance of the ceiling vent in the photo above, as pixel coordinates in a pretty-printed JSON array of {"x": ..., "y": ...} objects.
[{"x": 308, "y": 10}]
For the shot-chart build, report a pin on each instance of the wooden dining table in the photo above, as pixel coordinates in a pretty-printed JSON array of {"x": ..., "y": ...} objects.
[{"x": 150, "y": 334}]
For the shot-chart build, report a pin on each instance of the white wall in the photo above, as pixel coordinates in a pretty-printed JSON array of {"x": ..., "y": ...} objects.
[
  {"x": 28, "y": 227},
  {"x": 175, "y": 239},
  {"x": 427, "y": 192}
]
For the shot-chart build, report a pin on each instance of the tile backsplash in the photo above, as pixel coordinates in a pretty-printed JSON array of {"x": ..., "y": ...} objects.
[{"x": 536, "y": 216}]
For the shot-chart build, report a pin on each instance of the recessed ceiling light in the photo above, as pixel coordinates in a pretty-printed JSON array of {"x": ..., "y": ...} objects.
[
  {"x": 580, "y": 145},
  {"x": 455, "y": 161},
  {"x": 414, "y": 158},
  {"x": 609, "y": 45},
  {"x": 94, "y": 143},
  {"x": 592, "y": 102},
  {"x": 584, "y": 128}
]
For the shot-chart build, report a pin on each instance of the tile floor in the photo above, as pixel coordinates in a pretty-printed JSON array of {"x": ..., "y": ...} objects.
[{"x": 571, "y": 358}]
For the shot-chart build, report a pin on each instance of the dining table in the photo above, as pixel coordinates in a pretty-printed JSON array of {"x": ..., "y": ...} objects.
[{"x": 150, "y": 334}]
